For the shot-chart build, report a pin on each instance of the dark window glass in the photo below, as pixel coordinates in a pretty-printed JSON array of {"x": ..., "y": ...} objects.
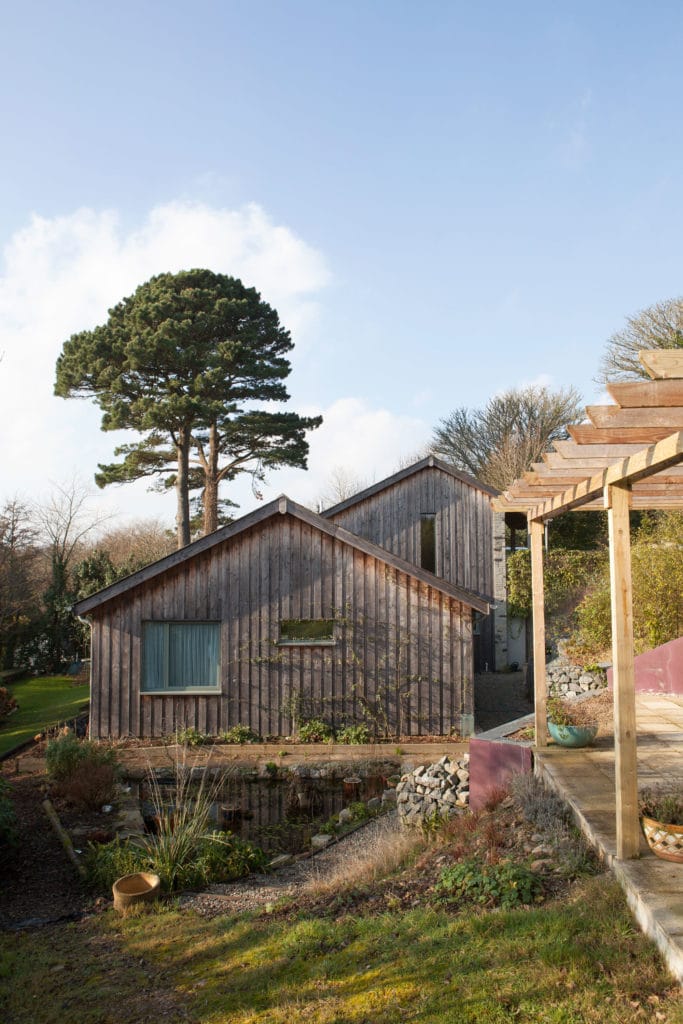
[{"x": 428, "y": 542}]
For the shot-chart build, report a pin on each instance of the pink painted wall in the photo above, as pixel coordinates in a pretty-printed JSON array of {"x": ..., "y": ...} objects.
[
  {"x": 660, "y": 670},
  {"x": 491, "y": 766}
]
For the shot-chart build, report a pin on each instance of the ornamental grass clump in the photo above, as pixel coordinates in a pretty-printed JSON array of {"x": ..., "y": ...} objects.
[
  {"x": 561, "y": 711},
  {"x": 184, "y": 850}
]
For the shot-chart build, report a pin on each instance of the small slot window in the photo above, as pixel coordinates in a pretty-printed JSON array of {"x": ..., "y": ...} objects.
[
  {"x": 428, "y": 541},
  {"x": 307, "y": 631}
]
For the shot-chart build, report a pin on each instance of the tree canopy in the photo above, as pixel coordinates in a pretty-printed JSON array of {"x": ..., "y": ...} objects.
[
  {"x": 178, "y": 361},
  {"x": 498, "y": 443},
  {"x": 658, "y": 326}
]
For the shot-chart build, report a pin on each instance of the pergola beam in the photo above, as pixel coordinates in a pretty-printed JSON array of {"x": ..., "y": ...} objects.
[
  {"x": 662, "y": 363},
  {"x": 645, "y": 462}
]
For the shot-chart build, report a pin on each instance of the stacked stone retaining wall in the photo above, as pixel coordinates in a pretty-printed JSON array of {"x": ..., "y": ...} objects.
[
  {"x": 435, "y": 791},
  {"x": 570, "y": 680}
]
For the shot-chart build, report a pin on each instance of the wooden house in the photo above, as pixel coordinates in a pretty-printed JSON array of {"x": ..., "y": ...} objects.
[
  {"x": 287, "y": 614},
  {"x": 440, "y": 519}
]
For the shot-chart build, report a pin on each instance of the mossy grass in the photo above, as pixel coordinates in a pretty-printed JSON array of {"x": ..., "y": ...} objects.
[
  {"x": 44, "y": 702},
  {"x": 579, "y": 960}
]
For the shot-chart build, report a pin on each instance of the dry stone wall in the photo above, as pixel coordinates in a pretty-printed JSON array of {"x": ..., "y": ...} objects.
[
  {"x": 569, "y": 680},
  {"x": 436, "y": 790}
]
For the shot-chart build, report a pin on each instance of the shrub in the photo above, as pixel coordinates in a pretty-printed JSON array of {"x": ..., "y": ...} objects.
[
  {"x": 539, "y": 805},
  {"x": 314, "y": 730},
  {"x": 91, "y": 785},
  {"x": 240, "y": 734},
  {"x": 662, "y": 805},
  {"x": 191, "y": 737},
  {"x": 7, "y": 703},
  {"x": 354, "y": 734},
  {"x": 84, "y": 773},
  {"x": 8, "y": 818},
  {"x": 504, "y": 884},
  {"x": 66, "y": 753}
]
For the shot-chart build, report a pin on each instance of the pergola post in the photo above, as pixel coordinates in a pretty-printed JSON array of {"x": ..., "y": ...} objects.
[
  {"x": 617, "y": 500},
  {"x": 536, "y": 531}
]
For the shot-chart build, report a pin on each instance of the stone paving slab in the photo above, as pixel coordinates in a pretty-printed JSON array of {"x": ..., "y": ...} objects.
[{"x": 585, "y": 777}]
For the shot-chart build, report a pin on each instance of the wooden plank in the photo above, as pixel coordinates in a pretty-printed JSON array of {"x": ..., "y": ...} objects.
[
  {"x": 626, "y": 779},
  {"x": 614, "y": 418},
  {"x": 639, "y": 394},
  {"x": 586, "y": 433},
  {"x": 611, "y": 451},
  {"x": 663, "y": 363},
  {"x": 536, "y": 531}
]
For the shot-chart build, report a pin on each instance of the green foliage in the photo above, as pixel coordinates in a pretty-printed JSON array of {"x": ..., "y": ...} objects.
[
  {"x": 8, "y": 818},
  {"x": 657, "y": 573},
  {"x": 84, "y": 773},
  {"x": 314, "y": 730},
  {"x": 191, "y": 737},
  {"x": 504, "y": 884},
  {"x": 360, "y": 811},
  {"x": 567, "y": 574},
  {"x": 354, "y": 734},
  {"x": 66, "y": 755},
  {"x": 661, "y": 804},
  {"x": 177, "y": 361},
  {"x": 240, "y": 734},
  {"x": 184, "y": 850}
]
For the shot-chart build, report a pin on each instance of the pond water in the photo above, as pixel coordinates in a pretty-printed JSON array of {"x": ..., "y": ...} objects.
[{"x": 279, "y": 815}]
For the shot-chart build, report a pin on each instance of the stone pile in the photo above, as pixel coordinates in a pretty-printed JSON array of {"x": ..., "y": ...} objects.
[
  {"x": 568, "y": 680},
  {"x": 437, "y": 790}
]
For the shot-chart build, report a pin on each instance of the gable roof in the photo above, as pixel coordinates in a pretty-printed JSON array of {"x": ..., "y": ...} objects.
[
  {"x": 280, "y": 506},
  {"x": 430, "y": 462}
]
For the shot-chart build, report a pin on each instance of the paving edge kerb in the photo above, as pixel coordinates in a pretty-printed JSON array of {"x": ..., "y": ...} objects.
[{"x": 650, "y": 910}]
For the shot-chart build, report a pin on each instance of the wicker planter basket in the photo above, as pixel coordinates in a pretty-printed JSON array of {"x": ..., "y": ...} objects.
[
  {"x": 142, "y": 887},
  {"x": 666, "y": 841}
]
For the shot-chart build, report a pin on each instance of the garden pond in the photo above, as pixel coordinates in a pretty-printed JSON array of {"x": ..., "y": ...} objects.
[{"x": 280, "y": 815}]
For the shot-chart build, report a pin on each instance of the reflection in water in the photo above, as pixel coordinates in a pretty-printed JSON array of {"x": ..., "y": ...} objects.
[{"x": 279, "y": 815}]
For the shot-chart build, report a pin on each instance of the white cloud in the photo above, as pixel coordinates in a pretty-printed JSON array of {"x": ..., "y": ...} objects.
[
  {"x": 366, "y": 442},
  {"x": 62, "y": 274}
]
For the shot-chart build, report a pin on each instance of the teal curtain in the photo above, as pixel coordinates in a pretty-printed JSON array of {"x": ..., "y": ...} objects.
[
  {"x": 193, "y": 654},
  {"x": 181, "y": 655},
  {"x": 153, "y": 656}
]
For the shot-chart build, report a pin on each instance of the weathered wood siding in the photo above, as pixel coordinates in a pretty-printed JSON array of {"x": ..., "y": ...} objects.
[
  {"x": 402, "y": 658},
  {"x": 463, "y": 518}
]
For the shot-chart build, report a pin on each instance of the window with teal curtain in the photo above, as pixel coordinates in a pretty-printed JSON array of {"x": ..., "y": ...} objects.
[{"x": 180, "y": 656}]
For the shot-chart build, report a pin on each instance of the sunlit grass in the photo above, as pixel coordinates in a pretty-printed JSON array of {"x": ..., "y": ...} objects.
[
  {"x": 577, "y": 962},
  {"x": 43, "y": 702}
]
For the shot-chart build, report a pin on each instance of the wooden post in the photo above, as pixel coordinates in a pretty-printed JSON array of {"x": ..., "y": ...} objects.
[
  {"x": 617, "y": 499},
  {"x": 536, "y": 531}
]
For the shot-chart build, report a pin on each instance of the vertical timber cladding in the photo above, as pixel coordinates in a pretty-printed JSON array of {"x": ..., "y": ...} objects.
[
  {"x": 397, "y": 662},
  {"x": 390, "y": 517}
]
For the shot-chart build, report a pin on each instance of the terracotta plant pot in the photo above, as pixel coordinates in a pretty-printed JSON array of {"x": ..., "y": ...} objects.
[
  {"x": 666, "y": 841},
  {"x": 141, "y": 887},
  {"x": 573, "y": 735}
]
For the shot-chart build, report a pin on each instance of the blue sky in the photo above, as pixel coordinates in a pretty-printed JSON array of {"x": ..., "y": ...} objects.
[{"x": 442, "y": 200}]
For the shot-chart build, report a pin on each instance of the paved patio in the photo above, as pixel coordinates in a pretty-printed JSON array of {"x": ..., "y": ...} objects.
[{"x": 653, "y": 887}]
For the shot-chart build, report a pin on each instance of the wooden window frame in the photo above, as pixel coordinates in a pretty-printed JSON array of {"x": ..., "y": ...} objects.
[
  {"x": 166, "y": 690},
  {"x": 303, "y": 641}
]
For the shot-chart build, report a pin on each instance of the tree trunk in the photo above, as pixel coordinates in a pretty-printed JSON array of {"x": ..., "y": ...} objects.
[
  {"x": 210, "y": 494},
  {"x": 182, "y": 488}
]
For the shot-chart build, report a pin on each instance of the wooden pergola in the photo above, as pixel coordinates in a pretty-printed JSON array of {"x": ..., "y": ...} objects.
[{"x": 628, "y": 456}]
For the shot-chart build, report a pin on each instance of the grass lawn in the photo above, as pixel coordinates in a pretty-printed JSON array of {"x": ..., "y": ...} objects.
[
  {"x": 42, "y": 702},
  {"x": 575, "y": 962}
]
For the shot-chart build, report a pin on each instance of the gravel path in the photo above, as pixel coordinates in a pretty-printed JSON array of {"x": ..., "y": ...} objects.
[{"x": 259, "y": 890}]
